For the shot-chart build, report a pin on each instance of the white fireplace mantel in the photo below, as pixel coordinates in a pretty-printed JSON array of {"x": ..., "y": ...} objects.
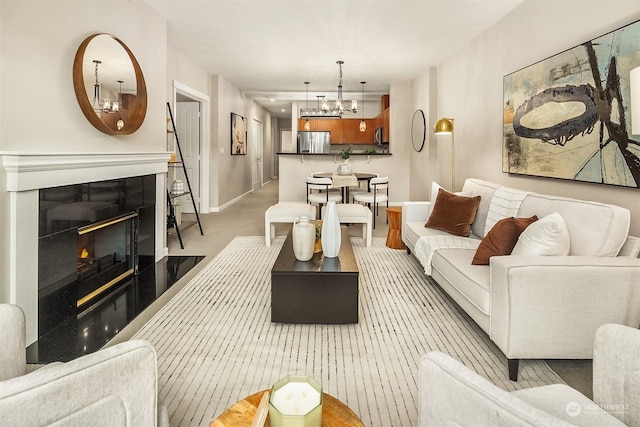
[
  {"x": 28, "y": 172},
  {"x": 35, "y": 170}
]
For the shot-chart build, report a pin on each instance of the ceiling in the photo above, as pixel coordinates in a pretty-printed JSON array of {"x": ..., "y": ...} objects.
[{"x": 269, "y": 48}]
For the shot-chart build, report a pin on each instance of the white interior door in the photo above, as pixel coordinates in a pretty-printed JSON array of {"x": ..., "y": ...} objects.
[
  {"x": 257, "y": 149},
  {"x": 188, "y": 127}
]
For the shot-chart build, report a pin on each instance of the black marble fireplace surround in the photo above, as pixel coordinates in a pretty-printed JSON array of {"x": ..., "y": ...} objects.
[{"x": 74, "y": 261}]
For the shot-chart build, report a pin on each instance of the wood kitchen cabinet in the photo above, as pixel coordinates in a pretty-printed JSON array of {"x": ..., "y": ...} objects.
[
  {"x": 385, "y": 121},
  {"x": 336, "y": 127}
]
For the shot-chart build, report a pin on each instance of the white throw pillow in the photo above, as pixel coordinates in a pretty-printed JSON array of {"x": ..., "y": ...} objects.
[{"x": 547, "y": 236}]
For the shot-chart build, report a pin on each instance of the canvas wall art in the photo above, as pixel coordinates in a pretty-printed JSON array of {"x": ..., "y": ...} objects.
[
  {"x": 569, "y": 116},
  {"x": 238, "y": 134}
]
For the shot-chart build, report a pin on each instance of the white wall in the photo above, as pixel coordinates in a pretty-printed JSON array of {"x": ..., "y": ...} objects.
[
  {"x": 38, "y": 103},
  {"x": 470, "y": 90},
  {"x": 38, "y": 108}
]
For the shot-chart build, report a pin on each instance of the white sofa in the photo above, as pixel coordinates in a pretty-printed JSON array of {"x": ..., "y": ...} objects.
[
  {"x": 535, "y": 307},
  {"x": 445, "y": 383}
]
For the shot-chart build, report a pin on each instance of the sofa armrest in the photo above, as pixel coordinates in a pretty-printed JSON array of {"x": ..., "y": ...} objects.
[
  {"x": 415, "y": 211},
  {"x": 452, "y": 394},
  {"x": 551, "y": 307},
  {"x": 13, "y": 359},
  {"x": 616, "y": 372},
  {"x": 120, "y": 380}
]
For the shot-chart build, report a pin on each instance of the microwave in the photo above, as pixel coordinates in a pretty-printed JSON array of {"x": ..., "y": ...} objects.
[{"x": 377, "y": 135}]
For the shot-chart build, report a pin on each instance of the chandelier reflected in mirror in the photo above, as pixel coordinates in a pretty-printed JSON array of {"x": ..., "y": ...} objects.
[{"x": 332, "y": 109}]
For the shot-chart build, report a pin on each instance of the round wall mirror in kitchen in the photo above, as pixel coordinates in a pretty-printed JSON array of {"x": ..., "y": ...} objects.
[
  {"x": 418, "y": 130},
  {"x": 109, "y": 85}
]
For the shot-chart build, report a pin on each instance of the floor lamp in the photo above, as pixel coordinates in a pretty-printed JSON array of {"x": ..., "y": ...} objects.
[{"x": 444, "y": 126}]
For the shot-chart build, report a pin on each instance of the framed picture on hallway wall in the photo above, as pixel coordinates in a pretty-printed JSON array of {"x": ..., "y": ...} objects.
[
  {"x": 238, "y": 134},
  {"x": 569, "y": 116}
]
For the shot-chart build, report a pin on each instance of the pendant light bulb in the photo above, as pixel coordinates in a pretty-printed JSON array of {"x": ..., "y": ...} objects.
[{"x": 307, "y": 124}]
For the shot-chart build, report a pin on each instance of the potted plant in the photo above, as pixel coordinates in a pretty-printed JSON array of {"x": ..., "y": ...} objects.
[
  {"x": 345, "y": 167},
  {"x": 345, "y": 153}
]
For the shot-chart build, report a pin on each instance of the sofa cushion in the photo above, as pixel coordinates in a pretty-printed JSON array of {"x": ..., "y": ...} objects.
[
  {"x": 453, "y": 214},
  {"x": 504, "y": 204},
  {"x": 595, "y": 229},
  {"x": 567, "y": 404},
  {"x": 428, "y": 245},
  {"x": 547, "y": 236},
  {"x": 501, "y": 239},
  {"x": 485, "y": 190},
  {"x": 471, "y": 283}
]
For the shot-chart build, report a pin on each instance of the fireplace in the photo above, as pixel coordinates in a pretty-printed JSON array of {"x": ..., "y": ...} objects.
[
  {"x": 92, "y": 238},
  {"x": 29, "y": 172},
  {"x": 107, "y": 254}
]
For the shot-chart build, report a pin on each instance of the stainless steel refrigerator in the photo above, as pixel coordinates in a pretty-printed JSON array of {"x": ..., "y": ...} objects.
[{"x": 314, "y": 142}]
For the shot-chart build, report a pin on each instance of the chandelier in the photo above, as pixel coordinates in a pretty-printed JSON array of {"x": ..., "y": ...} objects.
[
  {"x": 331, "y": 109},
  {"x": 105, "y": 104}
]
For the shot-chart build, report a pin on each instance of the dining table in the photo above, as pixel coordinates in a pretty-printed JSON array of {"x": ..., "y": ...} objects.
[{"x": 346, "y": 181}]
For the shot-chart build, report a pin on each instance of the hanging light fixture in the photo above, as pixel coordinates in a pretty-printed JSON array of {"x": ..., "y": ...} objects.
[
  {"x": 102, "y": 105},
  {"x": 335, "y": 109},
  {"x": 307, "y": 125},
  {"x": 363, "y": 124},
  {"x": 116, "y": 107}
]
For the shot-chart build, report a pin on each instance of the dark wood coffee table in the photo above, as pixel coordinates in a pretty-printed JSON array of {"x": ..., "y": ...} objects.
[
  {"x": 334, "y": 413},
  {"x": 321, "y": 290}
]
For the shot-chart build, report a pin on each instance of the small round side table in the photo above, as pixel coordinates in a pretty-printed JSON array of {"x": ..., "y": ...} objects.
[
  {"x": 241, "y": 413},
  {"x": 394, "y": 236}
]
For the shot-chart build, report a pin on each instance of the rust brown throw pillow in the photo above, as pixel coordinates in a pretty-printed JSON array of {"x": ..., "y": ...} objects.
[
  {"x": 453, "y": 214},
  {"x": 501, "y": 239}
]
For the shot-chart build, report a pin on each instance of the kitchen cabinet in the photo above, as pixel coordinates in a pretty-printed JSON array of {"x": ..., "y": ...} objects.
[
  {"x": 344, "y": 131},
  {"x": 385, "y": 121},
  {"x": 352, "y": 134},
  {"x": 336, "y": 127}
]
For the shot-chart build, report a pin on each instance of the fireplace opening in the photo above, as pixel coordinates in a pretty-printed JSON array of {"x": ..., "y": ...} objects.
[
  {"x": 93, "y": 238},
  {"x": 106, "y": 255}
]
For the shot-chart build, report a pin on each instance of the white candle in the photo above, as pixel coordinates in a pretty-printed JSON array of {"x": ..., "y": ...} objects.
[{"x": 296, "y": 398}]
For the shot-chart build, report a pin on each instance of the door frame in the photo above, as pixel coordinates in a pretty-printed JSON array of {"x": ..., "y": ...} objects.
[{"x": 204, "y": 100}]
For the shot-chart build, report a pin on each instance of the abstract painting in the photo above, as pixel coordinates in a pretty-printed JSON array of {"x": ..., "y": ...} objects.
[
  {"x": 238, "y": 134},
  {"x": 569, "y": 115}
]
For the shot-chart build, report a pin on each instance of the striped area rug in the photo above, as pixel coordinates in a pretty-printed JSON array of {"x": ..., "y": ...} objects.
[{"x": 216, "y": 343}]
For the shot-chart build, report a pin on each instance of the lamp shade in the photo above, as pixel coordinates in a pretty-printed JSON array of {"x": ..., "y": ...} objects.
[{"x": 443, "y": 126}]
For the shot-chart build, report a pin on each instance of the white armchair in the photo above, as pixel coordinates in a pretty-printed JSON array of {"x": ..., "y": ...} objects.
[
  {"x": 117, "y": 386},
  {"x": 452, "y": 394}
]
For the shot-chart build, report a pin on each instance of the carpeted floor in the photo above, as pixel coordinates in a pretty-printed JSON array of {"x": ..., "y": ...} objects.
[{"x": 216, "y": 343}]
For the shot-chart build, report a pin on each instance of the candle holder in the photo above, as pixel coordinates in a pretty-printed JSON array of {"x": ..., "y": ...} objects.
[{"x": 295, "y": 401}]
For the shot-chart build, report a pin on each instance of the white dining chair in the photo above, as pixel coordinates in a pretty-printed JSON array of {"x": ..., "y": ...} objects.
[
  {"x": 379, "y": 193},
  {"x": 359, "y": 189},
  {"x": 319, "y": 191}
]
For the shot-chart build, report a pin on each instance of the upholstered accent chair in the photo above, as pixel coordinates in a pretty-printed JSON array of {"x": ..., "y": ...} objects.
[
  {"x": 116, "y": 386},
  {"x": 452, "y": 394}
]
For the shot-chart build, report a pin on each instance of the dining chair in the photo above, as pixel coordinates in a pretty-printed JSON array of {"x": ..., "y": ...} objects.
[
  {"x": 379, "y": 193},
  {"x": 319, "y": 191},
  {"x": 359, "y": 189}
]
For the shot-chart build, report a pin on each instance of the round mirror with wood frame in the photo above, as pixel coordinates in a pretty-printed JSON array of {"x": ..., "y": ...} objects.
[
  {"x": 118, "y": 105},
  {"x": 418, "y": 130}
]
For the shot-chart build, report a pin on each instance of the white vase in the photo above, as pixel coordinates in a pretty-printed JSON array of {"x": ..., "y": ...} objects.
[
  {"x": 331, "y": 231},
  {"x": 345, "y": 168},
  {"x": 304, "y": 238}
]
